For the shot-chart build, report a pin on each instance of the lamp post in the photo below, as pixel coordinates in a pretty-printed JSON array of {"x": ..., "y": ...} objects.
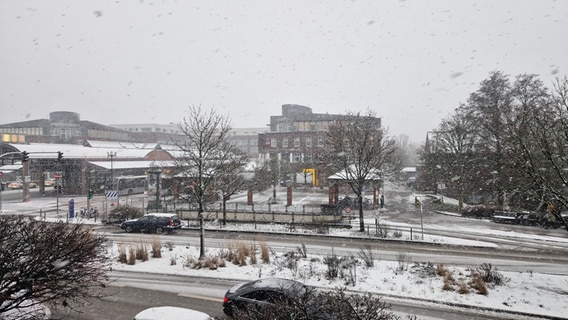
[
  {"x": 157, "y": 172},
  {"x": 111, "y": 155}
]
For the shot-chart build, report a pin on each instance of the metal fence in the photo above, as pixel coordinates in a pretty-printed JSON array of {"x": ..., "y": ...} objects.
[{"x": 290, "y": 217}]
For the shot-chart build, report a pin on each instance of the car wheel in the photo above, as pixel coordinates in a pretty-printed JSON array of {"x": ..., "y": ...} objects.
[
  {"x": 159, "y": 230},
  {"x": 129, "y": 229}
]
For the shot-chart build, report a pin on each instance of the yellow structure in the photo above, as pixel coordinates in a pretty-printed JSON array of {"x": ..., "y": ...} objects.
[{"x": 312, "y": 171}]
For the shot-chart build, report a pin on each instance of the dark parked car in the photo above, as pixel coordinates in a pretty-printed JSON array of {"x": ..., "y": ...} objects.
[
  {"x": 505, "y": 217},
  {"x": 263, "y": 292},
  {"x": 271, "y": 296},
  {"x": 153, "y": 222}
]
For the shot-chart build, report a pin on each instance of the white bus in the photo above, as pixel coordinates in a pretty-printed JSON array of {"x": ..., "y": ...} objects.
[{"x": 127, "y": 185}]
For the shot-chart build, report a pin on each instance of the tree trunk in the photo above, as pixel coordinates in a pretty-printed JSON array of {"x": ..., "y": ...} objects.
[
  {"x": 224, "y": 211},
  {"x": 361, "y": 216},
  {"x": 201, "y": 235}
]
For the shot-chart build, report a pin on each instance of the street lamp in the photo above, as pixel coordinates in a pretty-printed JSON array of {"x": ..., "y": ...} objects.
[
  {"x": 156, "y": 173},
  {"x": 111, "y": 155}
]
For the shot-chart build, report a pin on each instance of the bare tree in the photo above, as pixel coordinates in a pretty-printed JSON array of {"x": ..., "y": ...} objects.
[
  {"x": 48, "y": 264},
  {"x": 540, "y": 139},
  {"x": 261, "y": 178},
  {"x": 490, "y": 108},
  {"x": 274, "y": 176},
  {"x": 229, "y": 176},
  {"x": 450, "y": 157},
  {"x": 361, "y": 151},
  {"x": 206, "y": 134}
]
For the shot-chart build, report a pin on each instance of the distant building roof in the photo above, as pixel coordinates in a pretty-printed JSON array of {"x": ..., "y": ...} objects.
[
  {"x": 374, "y": 174},
  {"x": 119, "y": 165},
  {"x": 120, "y": 145},
  {"x": 47, "y": 150}
]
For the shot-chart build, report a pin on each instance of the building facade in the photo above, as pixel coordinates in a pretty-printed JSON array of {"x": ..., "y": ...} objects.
[
  {"x": 297, "y": 138},
  {"x": 61, "y": 127}
]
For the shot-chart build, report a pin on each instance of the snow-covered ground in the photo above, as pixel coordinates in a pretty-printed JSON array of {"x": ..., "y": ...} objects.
[{"x": 525, "y": 292}]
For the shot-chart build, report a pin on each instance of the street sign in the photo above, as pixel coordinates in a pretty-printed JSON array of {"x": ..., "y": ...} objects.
[
  {"x": 112, "y": 195},
  {"x": 71, "y": 208},
  {"x": 57, "y": 176}
]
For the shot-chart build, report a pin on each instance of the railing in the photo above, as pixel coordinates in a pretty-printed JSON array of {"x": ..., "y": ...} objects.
[{"x": 264, "y": 217}]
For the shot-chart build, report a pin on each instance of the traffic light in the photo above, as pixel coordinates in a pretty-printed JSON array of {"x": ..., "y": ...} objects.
[
  {"x": 90, "y": 193},
  {"x": 25, "y": 156},
  {"x": 59, "y": 156}
]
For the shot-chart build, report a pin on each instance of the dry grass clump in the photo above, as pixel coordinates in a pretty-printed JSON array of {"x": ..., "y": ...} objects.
[
  {"x": 463, "y": 288},
  {"x": 241, "y": 253},
  {"x": 156, "y": 248},
  {"x": 131, "y": 255},
  {"x": 122, "y": 250},
  {"x": 264, "y": 252},
  {"x": 479, "y": 279},
  {"x": 252, "y": 255},
  {"x": 441, "y": 270},
  {"x": 211, "y": 263},
  {"x": 478, "y": 284},
  {"x": 490, "y": 275},
  {"x": 141, "y": 252},
  {"x": 449, "y": 281}
]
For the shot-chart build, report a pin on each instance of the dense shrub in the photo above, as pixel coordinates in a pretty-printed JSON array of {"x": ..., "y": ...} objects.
[
  {"x": 122, "y": 213},
  {"x": 44, "y": 263}
]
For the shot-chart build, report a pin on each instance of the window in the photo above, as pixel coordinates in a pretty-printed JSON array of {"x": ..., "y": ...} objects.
[
  {"x": 65, "y": 134},
  {"x": 285, "y": 143},
  {"x": 296, "y": 142},
  {"x": 308, "y": 157},
  {"x": 320, "y": 141},
  {"x": 273, "y": 142},
  {"x": 309, "y": 142},
  {"x": 297, "y": 157}
]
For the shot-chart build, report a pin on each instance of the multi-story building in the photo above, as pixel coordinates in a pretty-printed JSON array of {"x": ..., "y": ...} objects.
[
  {"x": 61, "y": 127},
  {"x": 297, "y": 137},
  {"x": 246, "y": 139},
  {"x": 170, "y": 128}
]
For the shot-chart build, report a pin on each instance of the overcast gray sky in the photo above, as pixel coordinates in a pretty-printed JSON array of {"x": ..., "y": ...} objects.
[{"x": 413, "y": 62}]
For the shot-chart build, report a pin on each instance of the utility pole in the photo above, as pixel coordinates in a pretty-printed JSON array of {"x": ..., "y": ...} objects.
[
  {"x": 26, "y": 176},
  {"x": 1, "y": 189}
]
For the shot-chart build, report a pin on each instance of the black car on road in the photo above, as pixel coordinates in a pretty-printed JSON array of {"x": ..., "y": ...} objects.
[
  {"x": 260, "y": 292},
  {"x": 153, "y": 222},
  {"x": 275, "y": 295}
]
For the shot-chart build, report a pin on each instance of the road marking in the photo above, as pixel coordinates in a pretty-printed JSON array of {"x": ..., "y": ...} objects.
[
  {"x": 117, "y": 284},
  {"x": 187, "y": 295}
]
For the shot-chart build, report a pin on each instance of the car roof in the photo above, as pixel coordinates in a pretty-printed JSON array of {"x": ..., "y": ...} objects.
[
  {"x": 162, "y": 214},
  {"x": 268, "y": 283},
  {"x": 171, "y": 313}
]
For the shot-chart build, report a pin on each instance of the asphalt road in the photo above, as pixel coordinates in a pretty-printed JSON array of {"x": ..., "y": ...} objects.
[
  {"x": 131, "y": 293},
  {"x": 124, "y": 302}
]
